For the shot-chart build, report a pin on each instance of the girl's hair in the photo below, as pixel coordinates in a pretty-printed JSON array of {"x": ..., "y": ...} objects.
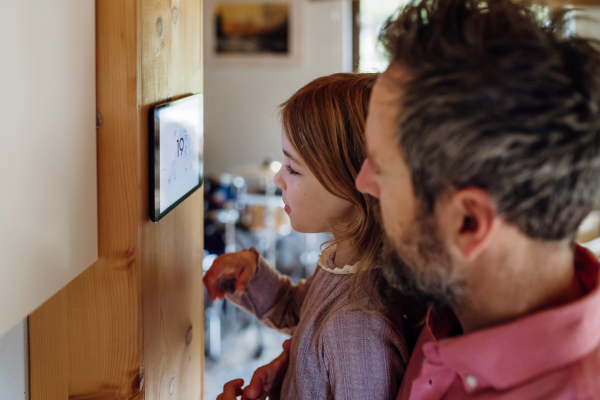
[{"x": 325, "y": 123}]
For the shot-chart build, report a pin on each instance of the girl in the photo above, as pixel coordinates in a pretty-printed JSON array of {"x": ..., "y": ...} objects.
[{"x": 351, "y": 336}]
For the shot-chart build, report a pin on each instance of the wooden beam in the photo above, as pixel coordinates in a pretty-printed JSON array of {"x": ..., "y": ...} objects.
[
  {"x": 171, "y": 250},
  {"x": 355, "y": 35},
  {"x": 93, "y": 325},
  {"x": 130, "y": 326},
  {"x": 49, "y": 372}
]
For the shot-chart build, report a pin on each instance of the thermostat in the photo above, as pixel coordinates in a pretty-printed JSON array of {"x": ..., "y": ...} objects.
[{"x": 176, "y": 141}]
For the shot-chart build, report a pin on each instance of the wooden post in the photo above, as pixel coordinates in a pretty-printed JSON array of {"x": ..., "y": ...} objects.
[
  {"x": 130, "y": 326},
  {"x": 172, "y": 253}
]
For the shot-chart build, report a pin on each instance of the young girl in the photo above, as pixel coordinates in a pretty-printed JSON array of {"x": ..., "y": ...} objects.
[{"x": 351, "y": 336}]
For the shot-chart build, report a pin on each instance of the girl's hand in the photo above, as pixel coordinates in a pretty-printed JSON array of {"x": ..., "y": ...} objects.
[{"x": 230, "y": 272}]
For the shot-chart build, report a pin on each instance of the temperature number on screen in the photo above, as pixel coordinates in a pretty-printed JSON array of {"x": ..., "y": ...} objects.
[{"x": 180, "y": 147}]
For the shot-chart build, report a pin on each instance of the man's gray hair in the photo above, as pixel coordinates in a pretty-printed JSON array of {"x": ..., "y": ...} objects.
[{"x": 499, "y": 100}]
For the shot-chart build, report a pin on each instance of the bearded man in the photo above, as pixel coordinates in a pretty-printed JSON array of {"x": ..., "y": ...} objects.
[
  {"x": 483, "y": 138},
  {"x": 483, "y": 141}
]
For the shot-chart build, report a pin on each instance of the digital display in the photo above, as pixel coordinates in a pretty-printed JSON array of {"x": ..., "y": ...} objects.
[{"x": 177, "y": 165}]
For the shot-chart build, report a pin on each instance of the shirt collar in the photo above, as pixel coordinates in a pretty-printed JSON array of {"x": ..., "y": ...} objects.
[
  {"x": 505, "y": 356},
  {"x": 326, "y": 262}
]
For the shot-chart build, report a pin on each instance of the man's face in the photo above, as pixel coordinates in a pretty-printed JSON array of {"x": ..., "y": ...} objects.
[{"x": 415, "y": 259}]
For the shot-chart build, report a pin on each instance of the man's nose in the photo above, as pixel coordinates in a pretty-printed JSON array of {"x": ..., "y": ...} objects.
[{"x": 365, "y": 182}]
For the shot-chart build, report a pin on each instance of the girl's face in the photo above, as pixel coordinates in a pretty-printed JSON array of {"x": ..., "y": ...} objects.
[{"x": 311, "y": 207}]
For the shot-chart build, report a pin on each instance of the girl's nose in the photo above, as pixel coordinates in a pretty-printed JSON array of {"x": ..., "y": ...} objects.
[{"x": 278, "y": 179}]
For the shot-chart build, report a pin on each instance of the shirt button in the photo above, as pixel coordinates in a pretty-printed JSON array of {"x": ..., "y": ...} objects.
[{"x": 471, "y": 381}]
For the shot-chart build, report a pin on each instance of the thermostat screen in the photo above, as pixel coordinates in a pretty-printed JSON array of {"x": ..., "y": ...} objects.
[{"x": 178, "y": 131}]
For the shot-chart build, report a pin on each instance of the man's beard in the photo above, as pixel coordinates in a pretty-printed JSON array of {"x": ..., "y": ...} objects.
[{"x": 420, "y": 266}]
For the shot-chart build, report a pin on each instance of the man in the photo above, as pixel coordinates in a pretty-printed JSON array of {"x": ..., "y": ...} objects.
[{"x": 484, "y": 150}]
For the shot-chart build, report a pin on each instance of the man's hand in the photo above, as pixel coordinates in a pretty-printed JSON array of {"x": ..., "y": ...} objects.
[
  {"x": 266, "y": 381},
  {"x": 230, "y": 273},
  {"x": 231, "y": 390}
]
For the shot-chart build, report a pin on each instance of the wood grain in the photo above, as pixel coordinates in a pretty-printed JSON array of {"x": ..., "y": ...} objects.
[
  {"x": 132, "y": 323},
  {"x": 104, "y": 302},
  {"x": 49, "y": 373},
  {"x": 172, "y": 256},
  {"x": 95, "y": 320}
]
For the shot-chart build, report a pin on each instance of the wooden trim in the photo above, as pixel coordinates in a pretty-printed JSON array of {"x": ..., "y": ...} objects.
[
  {"x": 172, "y": 249},
  {"x": 122, "y": 328},
  {"x": 93, "y": 324},
  {"x": 355, "y": 35},
  {"x": 50, "y": 347}
]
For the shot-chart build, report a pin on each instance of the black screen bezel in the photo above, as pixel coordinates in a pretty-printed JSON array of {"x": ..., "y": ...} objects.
[{"x": 154, "y": 158}]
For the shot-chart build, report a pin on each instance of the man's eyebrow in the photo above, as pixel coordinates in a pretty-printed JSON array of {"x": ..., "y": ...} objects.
[{"x": 288, "y": 155}]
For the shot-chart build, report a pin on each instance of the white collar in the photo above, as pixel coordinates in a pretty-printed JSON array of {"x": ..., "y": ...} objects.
[{"x": 326, "y": 262}]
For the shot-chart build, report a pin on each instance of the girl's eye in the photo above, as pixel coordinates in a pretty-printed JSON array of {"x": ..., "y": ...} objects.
[{"x": 291, "y": 170}]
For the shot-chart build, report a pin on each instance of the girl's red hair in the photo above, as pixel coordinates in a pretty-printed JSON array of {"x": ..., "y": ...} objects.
[{"x": 325, "y": 123}]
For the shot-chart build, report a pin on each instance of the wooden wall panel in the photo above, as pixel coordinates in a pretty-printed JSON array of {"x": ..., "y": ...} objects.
[
  {"x": 171, "y": 249},
  {"x": 49, "y": 350},
  {"x": 86, "y": 339},
  {"x": 130, "y": 326},
  {"x": 104, "y": 332}
]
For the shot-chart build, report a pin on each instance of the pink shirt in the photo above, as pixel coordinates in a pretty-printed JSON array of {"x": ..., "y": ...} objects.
[{"x": 552, "y": 354}]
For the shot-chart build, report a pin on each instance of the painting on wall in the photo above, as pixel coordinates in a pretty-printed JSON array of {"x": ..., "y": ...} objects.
[{"x": 254, "y": 33}]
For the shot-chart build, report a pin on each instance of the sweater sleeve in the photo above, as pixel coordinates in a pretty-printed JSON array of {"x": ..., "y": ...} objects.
[
  {"x": 273, "y": 298},
  {"x": 364, "y": 355}
]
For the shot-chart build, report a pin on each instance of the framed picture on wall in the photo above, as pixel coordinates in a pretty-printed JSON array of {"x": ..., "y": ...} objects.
[{"x": 247, "y": 33}]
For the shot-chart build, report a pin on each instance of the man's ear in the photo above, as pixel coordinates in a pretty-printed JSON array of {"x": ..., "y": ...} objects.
[{"x": 469, "y": 221}]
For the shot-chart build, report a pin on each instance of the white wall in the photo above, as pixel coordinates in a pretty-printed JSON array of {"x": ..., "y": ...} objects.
[
  {"x": 240, "y": 108},
  {"x": 48, "y": 211},
  {"x": 589, "y": 25},
  {"x": 14, "y": 363}
]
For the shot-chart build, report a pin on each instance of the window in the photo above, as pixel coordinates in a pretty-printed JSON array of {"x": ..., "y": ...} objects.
[{"x": 372, "y": 15}]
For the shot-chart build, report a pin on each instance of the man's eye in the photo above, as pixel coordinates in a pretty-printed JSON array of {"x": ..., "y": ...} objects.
[{"x": 291, "y": 170}]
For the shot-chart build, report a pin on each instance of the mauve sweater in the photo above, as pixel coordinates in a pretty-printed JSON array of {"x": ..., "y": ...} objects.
[{"x": 338, "y": 350}]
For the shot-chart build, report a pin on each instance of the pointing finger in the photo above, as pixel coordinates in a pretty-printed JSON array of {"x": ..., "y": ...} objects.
[{"x": 232, "y": 389}]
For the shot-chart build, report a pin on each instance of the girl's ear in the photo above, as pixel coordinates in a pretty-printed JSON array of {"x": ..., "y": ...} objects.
[{"x": 468, "y": 220}]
